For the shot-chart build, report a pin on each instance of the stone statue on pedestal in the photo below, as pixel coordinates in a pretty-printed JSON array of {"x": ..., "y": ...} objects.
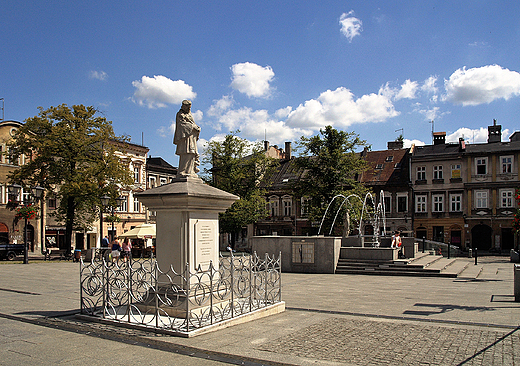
[{"x": 186, "y": 136}]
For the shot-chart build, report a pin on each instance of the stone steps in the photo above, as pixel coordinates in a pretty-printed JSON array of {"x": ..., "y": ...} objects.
[{"x": 424, "y": 265}]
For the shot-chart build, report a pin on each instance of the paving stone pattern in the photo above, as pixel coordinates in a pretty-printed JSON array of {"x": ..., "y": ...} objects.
[{"x": 369, "y": 342}]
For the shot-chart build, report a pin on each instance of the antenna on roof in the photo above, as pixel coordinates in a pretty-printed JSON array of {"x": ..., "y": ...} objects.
[
  {"x": 2, "y": 99},
  {"x": 402, "y": 131}
]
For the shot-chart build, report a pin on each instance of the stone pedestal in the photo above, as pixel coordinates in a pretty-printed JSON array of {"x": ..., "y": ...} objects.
[{"x": 187, "y": 222}]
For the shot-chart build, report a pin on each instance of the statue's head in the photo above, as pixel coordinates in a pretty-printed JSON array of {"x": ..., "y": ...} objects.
[{"x": 186, "y": 105}]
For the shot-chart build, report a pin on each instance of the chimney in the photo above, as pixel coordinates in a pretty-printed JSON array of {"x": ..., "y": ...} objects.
[
  {"x": 288, "y": 150},
  {"x": 515, "y": 136},
  {"x": 462, "y": 144},
  {"x": 494, "y": 132},
  {"x": 395, "y": 145},
  {"x": 439, "y": 138},
  {"x": 266, "y": 145}
]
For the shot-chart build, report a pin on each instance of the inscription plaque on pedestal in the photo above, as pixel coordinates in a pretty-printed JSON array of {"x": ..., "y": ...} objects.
[{"x": 205, "y": 244}]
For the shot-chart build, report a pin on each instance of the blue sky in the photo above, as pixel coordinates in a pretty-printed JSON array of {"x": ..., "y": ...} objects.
[{"x": 280, "y": 69}]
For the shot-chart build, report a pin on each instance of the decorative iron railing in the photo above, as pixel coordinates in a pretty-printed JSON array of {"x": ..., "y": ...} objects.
[{"x": 139, "y": 292}]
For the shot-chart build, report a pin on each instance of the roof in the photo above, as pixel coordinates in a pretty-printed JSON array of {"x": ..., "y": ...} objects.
[
  {"x": 158, "y": 164},
  {"x": 385, "y": 167},
  {"x": 283, "y": 175}
]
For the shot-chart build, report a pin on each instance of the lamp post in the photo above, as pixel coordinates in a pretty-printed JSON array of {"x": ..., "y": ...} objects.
[
  {"x": 105, "y": 201},
  {"x": 14, "y": 191}
]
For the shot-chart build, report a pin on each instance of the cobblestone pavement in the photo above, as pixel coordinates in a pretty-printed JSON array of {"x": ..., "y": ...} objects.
[{"x": 370, "y": 342}]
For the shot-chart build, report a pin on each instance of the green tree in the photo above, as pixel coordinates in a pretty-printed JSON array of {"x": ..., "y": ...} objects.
[
  {"x": 237, "y": 166},
  {"x": 330, "y": 167},
  {"x": 70, "y": 151}
]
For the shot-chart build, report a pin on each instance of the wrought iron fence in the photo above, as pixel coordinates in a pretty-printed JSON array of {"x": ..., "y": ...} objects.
[{"x": 139, "y": 292}]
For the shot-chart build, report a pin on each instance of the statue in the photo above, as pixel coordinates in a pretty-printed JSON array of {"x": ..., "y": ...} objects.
[{"x": 186, "y": 136}]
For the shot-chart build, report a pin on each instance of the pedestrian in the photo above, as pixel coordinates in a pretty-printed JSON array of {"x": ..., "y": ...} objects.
[
  {"x": 127, "y": 250},
  {"x": 396, "y": 240},
  {"x": 116, "y": 251},
  {"x": 105, "y": 242}
]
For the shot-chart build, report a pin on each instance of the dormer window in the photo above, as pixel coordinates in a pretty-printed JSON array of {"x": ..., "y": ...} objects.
[
  {"x": 379, "y": 166},
  {"x": 389, "y": 159}
]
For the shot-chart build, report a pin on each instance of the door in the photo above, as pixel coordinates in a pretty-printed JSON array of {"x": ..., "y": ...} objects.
[{"x": 481, "y": 237}]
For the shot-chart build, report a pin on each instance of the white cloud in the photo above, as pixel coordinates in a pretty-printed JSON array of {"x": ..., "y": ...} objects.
[
  {"x": 339, "y": 108},
  {"x": 478, "y": 135},
  {"x": 408, "y": 90},
  {"x": 221, "y": 105},
  {"x": 283, "y": 112},
  {"x": 99, "y": 75},
  {"x": 252, "y": 79},
  {"x": 350, "y": 25},
  {"x": 159, "y": 91},
  {"x": 429, "y": 85},
  {"x": 481, "y": 85},
  {"x": 408, "y": 143}
]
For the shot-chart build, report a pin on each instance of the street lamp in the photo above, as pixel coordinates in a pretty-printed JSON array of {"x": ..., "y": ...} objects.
[
  {"x": 105, "y": 201},
  {"x": 14, "y": 192}
]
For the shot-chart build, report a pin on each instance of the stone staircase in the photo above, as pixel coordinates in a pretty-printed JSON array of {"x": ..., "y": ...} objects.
[{"x": 423, "y": 265}]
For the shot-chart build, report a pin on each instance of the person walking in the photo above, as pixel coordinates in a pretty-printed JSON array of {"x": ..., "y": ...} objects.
[
  {"x": 116, "y": 251},
  {"x": 127, "y": 250}
]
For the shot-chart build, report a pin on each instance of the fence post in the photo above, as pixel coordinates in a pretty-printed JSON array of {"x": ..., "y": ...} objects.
[
  {"x": 232, "y": 268},
  {"x": 280, "y": 277},
  {"x": 129, "y": 289},
  {"x": 187, "y": 278},
  {"x": 266, "y": 279},
  {"x": 250, "y": 283},
  {"x": 156, "y": 293}
]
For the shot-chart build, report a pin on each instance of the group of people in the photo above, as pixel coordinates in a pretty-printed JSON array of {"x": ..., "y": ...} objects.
[{"x": 123, "y": 251}]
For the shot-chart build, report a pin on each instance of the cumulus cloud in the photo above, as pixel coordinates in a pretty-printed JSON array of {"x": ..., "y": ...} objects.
[
  {"x": 99, "y": 75},
  {"x": 159, "y": 91},
  {"x": 340, "y": 108},
  {"x": 408, "y": 90},
  {"x": 255, "y": 124},
  {"x": 283, "y": 112},
  {"x": 481, "y": 85},
  {"x": 350, "y": 25},
  {"x": 221, "y": 105},
  {"x": 477, "y": 135},
  {"x": 252, "y": 79},
  {"x": 408, "y": 143}
]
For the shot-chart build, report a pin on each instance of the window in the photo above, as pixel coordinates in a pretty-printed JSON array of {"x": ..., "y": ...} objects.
[
  {"x": 481, "y": 166},
  {"x": 379, "y": 166},
  {"x": 273, "y": 206},
  {"x": 152, "y": 182},
  {"x": 402, "y": 203},
  {"x": 437, "y": 172},
  {"x": 51, "y": 203},
  {"x": 387, "y": 202},
  {"x": 438, "y": 203},
  {"x": 507, "y": 164},
  {"x": 420, "y": 203},
  {"x": 421, "y": 173},
  {"x": 481, "y": 199},
  {"x": 506, "y": 197},
  {"x": 124, "y": 205},
  {"x": 287, "y": 205},
  {"x": 137, "y": 174},
  {"x": 455, "y": 171},
  {"x": 455, "y": 202},
  {"x": 137, "y": 207},
  {"x": 306, "y": 205},
  {"x": 163, "y": 181},
  {"x": 389, "y": 159}
]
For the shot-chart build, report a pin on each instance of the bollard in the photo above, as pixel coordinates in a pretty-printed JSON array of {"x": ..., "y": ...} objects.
[
  {"x": 516, "y": 268},
  {"x": 423, "y": 240},
  {"x": 449, "y": 244},
  {"x": 476, "y": 255}
]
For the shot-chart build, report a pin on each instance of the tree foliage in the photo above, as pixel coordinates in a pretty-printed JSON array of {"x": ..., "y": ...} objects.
[
  {"x": 237, "y": 166},
  {"x": 70, "y": 151},
  {"x": 331, "y": 165}
]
